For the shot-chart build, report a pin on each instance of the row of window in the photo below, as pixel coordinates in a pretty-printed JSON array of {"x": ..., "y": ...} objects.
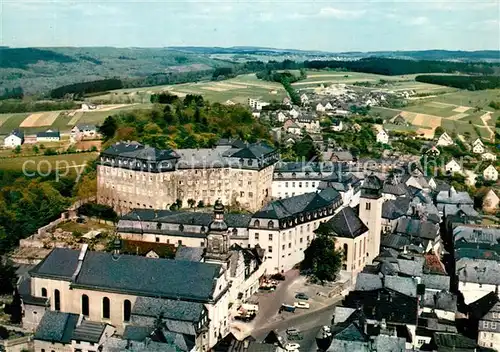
[
  {"x": 306, "y": 184},
  {"x": 85, "y": 305}
]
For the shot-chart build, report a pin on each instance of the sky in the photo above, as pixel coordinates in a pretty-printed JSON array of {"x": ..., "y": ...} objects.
[{"x": 349, "y": 25}]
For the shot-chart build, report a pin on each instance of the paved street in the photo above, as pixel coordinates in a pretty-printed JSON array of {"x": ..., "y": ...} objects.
[{"x": 308, "y": 321}]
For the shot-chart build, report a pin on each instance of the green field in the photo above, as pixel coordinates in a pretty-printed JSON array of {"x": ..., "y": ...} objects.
[
  {"x": 237, "y": 89},
  {"x": 66, "y": 162},
  {"x": 480, "y": 98},
  {"x": 384, "y": 113}
]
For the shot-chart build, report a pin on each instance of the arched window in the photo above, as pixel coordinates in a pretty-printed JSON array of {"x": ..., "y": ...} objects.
[
  {"x": 256, "y": 223},
  {"x": 57, "y": 300},
  {"x": 181, "y": 227},
  {"x": 158, "y": 226},
  {"x": 105, "y": 308},
  {"x": 270, "y": 224},
  {"x": 85, "y": 305},
  {"x": 44, "y": 292},
  {"x": 127, "y": 308},
  {"x": 346, "y": 248},
  {"x": 202, "y": 230},
  {"x": 235, "y": 232}
]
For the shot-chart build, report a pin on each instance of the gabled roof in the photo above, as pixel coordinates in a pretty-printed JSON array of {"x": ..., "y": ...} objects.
[
  {"x": 56, "y": 327},
  {"x": 134, "y": 150},
  {"x": 479, "y": 308},
  {"x": 417, "y": 228},
  {"x": 17, "y": 133},
  {"x": 395, "y": 208},
  {"x": 168, "y": 309},
  {"x": 346, "y": 223},
  {"x": 283, "y": 208},
  {"x": 175, "y": 279},
  {"x": 89, "y": 331},
  {"x": 48, "y": 134}
]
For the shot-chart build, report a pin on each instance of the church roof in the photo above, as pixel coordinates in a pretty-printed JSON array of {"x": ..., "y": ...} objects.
[{"x": 346, "y": 223}]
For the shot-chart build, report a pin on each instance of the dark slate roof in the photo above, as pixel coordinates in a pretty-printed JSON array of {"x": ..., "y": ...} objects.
[
  {"x": 17, "y": 133},
  {"x": 398, "y": 189},
  {"x": 452, "y": 341},
  {"x": 231, "y": 344},
  {"x": 169, "y": 309},
  {"x": 86, "y": 127},
  {"x": 394, "y": 240},
  {"x": 386, "y": 304},
  {"x": 138, "y": 151},
  {"x": 396, "y": 208},
  {"x": 56, "y": 327},
  {"x": 250, "y": 151},
  {"x": 284, "y": 208},
  {"x": 194, "y": 254},
  {"x": 48, "y": 134},
  {"x": 186, "y": 217},
  {"x": 131, "y": 274},
  {"x": 479, "y": 308},
  {"x": 60, "y": 263},
  {"x": 137, "y": 333},
  {"x": 373, "y": 182},
  {"x": 443, "y": 300},
  {"x": 417, "y": 228},
  {"x": 89, "y": 331},
  {"x": 352, "y": 329},
  {"x": 346, "y": 223}
]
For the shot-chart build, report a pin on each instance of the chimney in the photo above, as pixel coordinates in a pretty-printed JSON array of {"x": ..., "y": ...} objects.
[
  {"x": 383, "y": 324},
  {"x": 81, "y": 257}
]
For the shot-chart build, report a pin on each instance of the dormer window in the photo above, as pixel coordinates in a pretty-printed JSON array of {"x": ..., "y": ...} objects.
[
  {"x": 158, "y": 226},
  {"x": 270, "y": 224},
  {"x": 256, "y": 223},
  {"x": 250, "y": 162},
  {"x": 202, "y": 230},
  {"x": 294, "y": 174},
  {"x": 181, "y": 227}
]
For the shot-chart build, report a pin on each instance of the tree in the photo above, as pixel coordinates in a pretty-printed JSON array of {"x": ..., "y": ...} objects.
[
  {"x": 7, "y": 277},
  {"x": 201, "y": 204},
  {"x": 191, "y": 202},
  {"x": 35, "y": 149},
  {"x": 17, "y": 149},
  {"x": 321, "y": 259},
  {"x": 108, "y": 127},
  {"x": 16, "y": 310},
  {"x": 438, "y": 131}
]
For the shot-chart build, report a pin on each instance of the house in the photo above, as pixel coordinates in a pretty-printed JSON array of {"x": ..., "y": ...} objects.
[
  {"x": 343, "y": 156},
  {"x": 294, "y": 113},
  {"x": 433, "y": 151},
  {"x": 304, "y": 99},
  {"x": 256, "y": 104},
  {"x": 477, "y": 277},
  {"x": 48, "y": 136},
  {"x": 350, "y": 235},
  {"x": 490, "y": 173},
  {"x": 453, "y": 166},
  {"x": 256, "y": 114},
  {"x": 293, "y": 128},
  {"x": 79, "y": 132},
  {"x": 488, "y": 156},
  {"x": 309, "y": 122},
  {"x": 16, "y": 138},
  {"x": 281, "y": 117},
  {"x": 88, "y": 107},
  {"x": 286, "y": 101},
  {"x": 70, "y": 332},
  {"x": 490, "y": 202},
  {"x": 487, "y": 309},
  {"x": 336, "y": 125},
  {"x": 399, "y": 120},
  {"x": 382, "y": 136},
  {"x": 445, "y": 140},
  {"x": 229, "y": 102},
  {"x": 478, "y": 147},
  {"x": 320, "y": 107},
  {"x": 190, "y": 298}
]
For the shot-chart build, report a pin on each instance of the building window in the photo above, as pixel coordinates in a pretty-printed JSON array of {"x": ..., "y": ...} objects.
[
  {"x": 256, "y": 236},
  {"x": 300, "y": 184},
  {"x": 202, "y": 244},
  {"x": 270, "y": 224},
  {"x": 105, "y": 308},
  {"x": 157, "y": 239},
  {"x": 85, "y": 305},
  {"x": 368, "y": 206},
  {"x": 256, "y": 223},
  {"x": 179, "y": 242},
  {"x": 346, "y": 249},
  {"x": 181, "y": 227},
  {"x": 286, "y": 184},
  {"x": 355, "y": 244},
  {"x": 270, "y": 237},
  {"x": 57, "y": 300},
  {"x": 289, "y": 245},
  {"x": 270, "y": 249},
  {"x": 158, "y": 226},
  {"x": 283, "y": 247},
  {"x": 44, "y": 292},
  {"x": 127, "y": 308}
]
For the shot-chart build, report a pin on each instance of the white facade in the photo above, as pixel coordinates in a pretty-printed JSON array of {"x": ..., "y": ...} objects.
[
  {"x": 320, "y": 107},
  {"x": 488, "y": 156},
  {"x": 281, "y": 117},
  {"x": 472, "y": 291},
  {"x": 289, "y": 188},
  {"x": 12, "y": 141},
  {"x": 453, "y": 166},
  {"x": 445, "y": 140},
  {"x": 487, "y": 338},
  {"x": 256, "y": 104},
  {"x": 382, "y": 137},
  {"x": 478, "y": 148},
  {"x": 337, "y": 128},
  {"x": 490, "y": 173},
  {"x": 294, "y": 113}
]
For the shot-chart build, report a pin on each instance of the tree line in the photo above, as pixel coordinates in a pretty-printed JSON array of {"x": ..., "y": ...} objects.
[
  {"x": 462, "y": 82},
  {"x": 14, "y": 93},
  {"x": 15, "y": 106},
  {"x": 80, "y": 89}
]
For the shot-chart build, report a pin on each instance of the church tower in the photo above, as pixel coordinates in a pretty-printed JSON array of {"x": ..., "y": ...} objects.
[
  {"x": 370, "y": 212},
  {"x": 217, "y": 242}
]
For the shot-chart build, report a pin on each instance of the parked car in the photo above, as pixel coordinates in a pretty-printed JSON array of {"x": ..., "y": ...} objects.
[
  {"x": 302, "y": 295},
  {"x": 287, "y": 308},
  {"x": 292, "y": 331},
  {"x": 302, "y": 305},
  {"x": 292, "y": 347}
]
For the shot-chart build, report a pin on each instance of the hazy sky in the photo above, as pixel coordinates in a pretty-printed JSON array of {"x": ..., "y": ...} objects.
[{"x": 325, "y": 25}]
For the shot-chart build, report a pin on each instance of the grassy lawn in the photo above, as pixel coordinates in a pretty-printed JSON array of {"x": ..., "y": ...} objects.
[
  {"x": 423, "y": 108},
  {"x": 384, "y": 113},
  {"x": 480, "y": 98},
  {"x": 44, "y": 163}
]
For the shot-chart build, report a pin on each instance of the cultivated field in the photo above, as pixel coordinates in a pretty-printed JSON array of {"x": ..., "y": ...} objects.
[
  {"x": 69, "y": 163},
  {"x": 40, "y": 119},
  {"x": 237, "y": 89}
]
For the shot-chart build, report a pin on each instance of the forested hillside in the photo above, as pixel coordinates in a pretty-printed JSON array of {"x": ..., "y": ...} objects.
[{"x": 462, "y": 82}]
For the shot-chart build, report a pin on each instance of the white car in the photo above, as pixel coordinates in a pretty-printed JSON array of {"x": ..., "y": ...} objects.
[
  {"x": 292, "y": 347},
  {"x": 302, "y": 305}
]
